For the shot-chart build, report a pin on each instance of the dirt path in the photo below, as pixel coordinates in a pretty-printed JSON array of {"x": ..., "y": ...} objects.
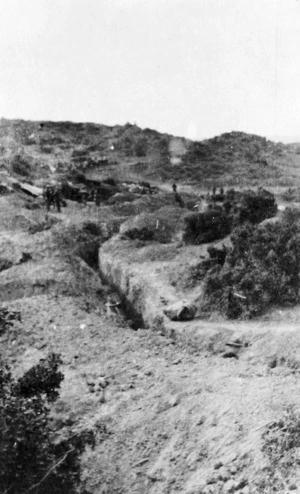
[{"x": 170, "y": 419}]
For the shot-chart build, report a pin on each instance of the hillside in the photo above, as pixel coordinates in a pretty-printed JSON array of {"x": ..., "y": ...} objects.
[{"x": 32, "y": 149}]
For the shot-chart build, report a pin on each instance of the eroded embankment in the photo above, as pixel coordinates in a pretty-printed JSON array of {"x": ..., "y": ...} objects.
[
  {"x": 144, "y": 288},
  {"x": 135, "y": 284},
  {"x": 145, "y": 293}
]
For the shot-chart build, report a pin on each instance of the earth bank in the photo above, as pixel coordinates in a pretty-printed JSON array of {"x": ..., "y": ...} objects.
[{"x": 175, "y": 416}]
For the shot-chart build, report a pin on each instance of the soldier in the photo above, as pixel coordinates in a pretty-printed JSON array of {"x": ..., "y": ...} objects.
[
  {"x": 48, "y": 197},
  {"x": 174, "y": 187},
  {"x": 179, "y": 200},
  {"x": 57, "y": 198},
  {"x": 97, "y": 198}
]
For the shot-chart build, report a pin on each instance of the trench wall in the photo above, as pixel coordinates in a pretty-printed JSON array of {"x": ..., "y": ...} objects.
[{"x": 135, "y": 283}]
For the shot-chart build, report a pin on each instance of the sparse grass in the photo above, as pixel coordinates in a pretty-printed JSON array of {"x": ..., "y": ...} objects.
[{"x": 281, "y": 445}]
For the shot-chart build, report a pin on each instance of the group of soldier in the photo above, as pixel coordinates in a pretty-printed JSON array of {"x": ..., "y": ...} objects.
[{"x": 53, "y": 196}]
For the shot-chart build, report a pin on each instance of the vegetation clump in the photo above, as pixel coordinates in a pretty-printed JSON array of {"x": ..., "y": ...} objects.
[
  {"x": 7, "y": 318},
  {"x": 30, "y": 461},
  {"x": 281, "y": 442},
  {"x": 249, "y": 206},
  {"x": 206, "y": 227},
  {"x": 261, "y": 270},
  {"x": 238, "y": 208}
]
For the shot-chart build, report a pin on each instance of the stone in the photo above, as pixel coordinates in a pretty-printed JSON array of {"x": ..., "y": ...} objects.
[
  {"x": 245, "y": 490},
  {"x": 223, "y": 475},
  {"x": 229, "y": 487},
  {"x": 218, "y": 465},
  {"x": 293, "y": 487},
  {"x": 211, "y": 480},
  {"x": 176, "y": 361},
  {"x": 174, "y": 400},
  {"x": 241, "y": 482},
  {"x": 181, "y": 311}
]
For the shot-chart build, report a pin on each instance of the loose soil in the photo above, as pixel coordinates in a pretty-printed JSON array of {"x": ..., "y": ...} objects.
[{"x": 174, "y": 416}]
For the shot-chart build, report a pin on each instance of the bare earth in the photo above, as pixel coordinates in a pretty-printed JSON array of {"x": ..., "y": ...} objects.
[{"x": 178, "y": 418}]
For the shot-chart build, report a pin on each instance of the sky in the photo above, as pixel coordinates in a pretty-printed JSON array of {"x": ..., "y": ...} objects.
[{"x": 193, "y": 68}]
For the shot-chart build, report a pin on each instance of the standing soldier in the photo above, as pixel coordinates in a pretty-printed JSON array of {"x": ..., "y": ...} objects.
[
  {"x": 97, "y": 198},
  {"x": 174, "y": 187},
  {"x": 57, "y": 198},
  {"x": 48, "y": 197}
]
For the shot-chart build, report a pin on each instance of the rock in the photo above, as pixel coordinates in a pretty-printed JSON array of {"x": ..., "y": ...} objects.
[
  {"x": 176, "y": 361},
  {"x": 241, "y": 482},
  {"x": 211, "y": 480},
  {"x": 218, "y": 465},
  {"x": 148, "y": 373},
  {"x": 233, "y": 470},
  {"x": 293, "y": 487},
  {"x": 223, "y": 474},
  {"x": 102, "y": 382},
  {"x": 245, "y": 490},
  {"x": 201, "y": 420},
  {"x": 229, "y": 486},
  {"x": 181, "y": 311},
  {"x": 174, "y": 400},
  {"x": 230, "y": 355},
  {"x": 102, "y": 397}
]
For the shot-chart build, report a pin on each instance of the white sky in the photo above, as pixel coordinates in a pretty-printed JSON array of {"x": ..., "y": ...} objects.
[{"x": 195, "y": 68}]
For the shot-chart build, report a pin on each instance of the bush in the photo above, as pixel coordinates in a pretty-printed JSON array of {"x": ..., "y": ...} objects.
[
  {"x": 252, "y": 207},
  {"x": 28, "y": 454},
  {"x": 262, "y": 268},
  {"x": 7, "y": 318},
  {"x": 141, "y": 147},
  {"x": 206, "y": 227},
  {"x": 20, "y": 164},
  {"x": 44, "y": 378},
  {"x": 238, "y": 208},
  {"x": 281, "y": 442}
]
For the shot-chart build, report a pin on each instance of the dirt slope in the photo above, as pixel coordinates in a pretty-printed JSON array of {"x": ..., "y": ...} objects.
[{"x": 174, "y": 417}]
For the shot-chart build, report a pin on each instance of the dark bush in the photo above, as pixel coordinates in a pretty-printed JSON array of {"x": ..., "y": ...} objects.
[
  {"x": 261, "y": 270},
  {"x": 29, "y": 459},
  {"x": 20, "y": 164},
  {"x": 249, "y": 206},
  {"x": 109, "y": 181},
  {"x": 238, "y": 208},
  {"x": 7, "y": 318},
  {"x": 206, "y": 227},
  {"x": 143, "y": 233},
  {"x": 141, "y": 147},
  {"x": 43, "y": 378}
]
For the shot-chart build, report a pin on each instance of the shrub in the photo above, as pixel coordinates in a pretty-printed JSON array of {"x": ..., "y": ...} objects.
[
  {"x": 7, "y": 318},
  {"x": 141, "y": 147},
  {"x": 281, "y": 442},
  {"x": 20, "y": 164},
  {"x": 249, "y": 206},
  {"x": 206, "y": 227},
  {"x": 28, "y": 454},
  {"x": 43, "y": 378},
  {"x": 238, "y": 208},
  {"x": 262, "y": 268}
]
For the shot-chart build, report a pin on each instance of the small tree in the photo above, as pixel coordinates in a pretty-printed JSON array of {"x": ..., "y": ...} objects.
[{"x": 29, "y": 461}]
